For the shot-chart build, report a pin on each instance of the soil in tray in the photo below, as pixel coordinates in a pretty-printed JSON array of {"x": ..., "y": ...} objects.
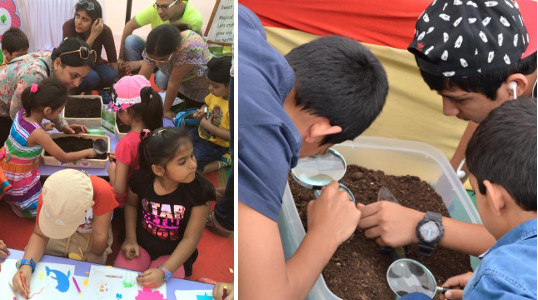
[
  {"x": 358, "y": 268},
  {"x": 123, "y": 128},
  {"x": 83, "y": 107},
  {"x": 73, "y": 144}
]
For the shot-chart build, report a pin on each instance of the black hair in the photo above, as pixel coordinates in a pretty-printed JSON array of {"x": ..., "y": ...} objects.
[
  {"x": 503, "y": 151},
  {"x": 218, "y": 69},
  {"x": 165, "y": 39},
  {"x": 50, "y": 93},
  {"x": 95, "y": 13},
  {"x": 160, "y": 147},
  {"x": 14, "y": 39},
  {"x": 341, "y": 80},
  {"x": 150, "y": 110},
  {"x": 73, "y": 59},
  {"x": 486, "y": 84}
]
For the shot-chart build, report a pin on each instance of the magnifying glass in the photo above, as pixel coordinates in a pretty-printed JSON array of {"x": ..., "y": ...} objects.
[
  {"x": 315, "y": 172},
  {"x": 100, "y": 146},
  {"x": 406, "y": 276}
]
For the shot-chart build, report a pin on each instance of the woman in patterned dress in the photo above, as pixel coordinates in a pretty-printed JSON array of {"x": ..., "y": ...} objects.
[{"x": 182, "y": 55}]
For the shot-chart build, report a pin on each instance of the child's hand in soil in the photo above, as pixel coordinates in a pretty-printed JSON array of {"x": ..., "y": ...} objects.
[
  {"x": 74, "y": 128},
  {"x": 390, "y": 224},
  {"x": 455, "y": 282},
  {"x": 333, "y": 214},
  {"x": 91, "y": 153},
  {"x": 130, "y": 249},
  {"x": 152, "y": 278},
  {"x": 48, "y": 126}
]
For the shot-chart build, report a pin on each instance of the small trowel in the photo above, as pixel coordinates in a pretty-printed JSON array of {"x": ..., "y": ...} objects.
[{"x": 397, "y": 252}]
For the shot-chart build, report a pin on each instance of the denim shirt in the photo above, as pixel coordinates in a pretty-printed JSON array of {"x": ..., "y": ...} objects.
[{"x": 508, "y": 269}]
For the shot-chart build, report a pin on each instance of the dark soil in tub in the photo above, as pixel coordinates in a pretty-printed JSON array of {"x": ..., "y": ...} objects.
[
  {"x": 358, "y": 268},
  {"x": 74, "y": 144},
  {"x": 89, "y": 107},
  {"x": 123, "y": 128}
]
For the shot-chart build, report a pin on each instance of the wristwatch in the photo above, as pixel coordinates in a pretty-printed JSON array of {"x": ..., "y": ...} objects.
[
  {"x": 25, "y": 262},
  {"x": 429, "y": 232},
  {"x": 167, "y": 274}
]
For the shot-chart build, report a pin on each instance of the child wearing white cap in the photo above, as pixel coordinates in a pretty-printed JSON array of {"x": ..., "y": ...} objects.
[{"x": 73, "y": 216}]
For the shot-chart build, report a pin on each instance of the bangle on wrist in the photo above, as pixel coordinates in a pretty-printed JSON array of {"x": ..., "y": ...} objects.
[{"x": 167, "y": 274}]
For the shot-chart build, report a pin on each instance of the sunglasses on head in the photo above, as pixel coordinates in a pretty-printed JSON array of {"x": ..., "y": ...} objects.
[
  {"x": 161, "y": 61},
  {"x": 90, "y": 4},
  {"x": 83, "y": 53}
]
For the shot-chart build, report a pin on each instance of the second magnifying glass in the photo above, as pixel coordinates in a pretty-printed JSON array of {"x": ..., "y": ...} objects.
[
  {"x": 315, "y": 172},
  {"x": 406, "y": 276}
]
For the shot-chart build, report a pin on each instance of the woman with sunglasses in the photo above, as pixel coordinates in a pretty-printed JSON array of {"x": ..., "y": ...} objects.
[
  {"x": 182, "y": 55},
  {"x": 69, "y": 63},
  {"x": 88, "y": 25}
]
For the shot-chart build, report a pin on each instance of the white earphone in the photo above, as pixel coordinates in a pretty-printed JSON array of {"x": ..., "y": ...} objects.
[
  {"x": 513, "y": 86},
  {"x": 460, "y": 172}
]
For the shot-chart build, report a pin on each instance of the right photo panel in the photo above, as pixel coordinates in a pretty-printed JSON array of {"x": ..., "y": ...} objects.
[{"x": 386, "y": 150}]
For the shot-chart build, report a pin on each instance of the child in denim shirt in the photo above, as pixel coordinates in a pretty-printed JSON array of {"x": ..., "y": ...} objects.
[{"x": 502, "y": 160}]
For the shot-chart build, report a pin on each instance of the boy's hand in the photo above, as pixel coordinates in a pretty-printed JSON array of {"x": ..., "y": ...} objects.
[
  {"x": 152, "y": 278},
  {"x": 333, "y": 214},
  {"x": 459, "y": 281},
  {"x": 390, "y": 224},
  {"x": 130, "y": 249},
  {"x": 17, "y": 282},
  {"x": 199, "y": 113}
]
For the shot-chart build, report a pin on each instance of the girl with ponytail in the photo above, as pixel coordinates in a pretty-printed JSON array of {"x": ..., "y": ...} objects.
[{"x": 139, "y": 106}]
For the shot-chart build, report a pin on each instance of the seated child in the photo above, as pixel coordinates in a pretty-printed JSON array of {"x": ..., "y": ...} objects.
[
  {"x": 19, "y": 158},
  {"x": 501, "y": 157},
  {"x": 166, "y": 209},
  {"x": 211, "y": 141},
  {"x": 14, "y": 44},
  {"x": 74, "y": 215},
  {"x": 139, "y": 106}
]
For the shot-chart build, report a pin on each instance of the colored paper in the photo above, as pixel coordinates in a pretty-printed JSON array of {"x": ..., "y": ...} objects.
[
  {"x": 119, "y": 284},
  {"x": 49, "y": 281},
  {"x": 194, "y": 294}
]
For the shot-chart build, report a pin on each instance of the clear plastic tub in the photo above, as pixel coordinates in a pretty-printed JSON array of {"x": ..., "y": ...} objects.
[{"x": 394, "y": 157}]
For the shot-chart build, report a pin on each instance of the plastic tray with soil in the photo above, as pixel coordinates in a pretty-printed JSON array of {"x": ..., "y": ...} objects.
[
  {"x": 84, "y": 110},
  {"x": 73, "y": 143},
  {"x": 358, "y": 268}
]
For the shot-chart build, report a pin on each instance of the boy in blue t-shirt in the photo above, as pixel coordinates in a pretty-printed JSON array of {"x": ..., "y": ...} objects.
[{"x": 501, "y": 157}]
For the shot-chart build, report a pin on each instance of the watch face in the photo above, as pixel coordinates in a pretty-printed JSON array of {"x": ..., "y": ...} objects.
[{"x": 429, "y": 231}]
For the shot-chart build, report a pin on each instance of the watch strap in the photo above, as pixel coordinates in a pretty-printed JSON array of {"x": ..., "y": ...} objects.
[
  {"x": 426, "y": 248},
  {"x": 167, "y": 274},
  {"x": 26, "y": 262}
]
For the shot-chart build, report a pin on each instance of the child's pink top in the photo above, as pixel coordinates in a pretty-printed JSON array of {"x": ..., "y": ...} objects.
[{"x": 127, "y": 153}]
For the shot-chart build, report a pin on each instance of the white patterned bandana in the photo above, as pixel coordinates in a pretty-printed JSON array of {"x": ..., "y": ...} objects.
[{"x": 466, "y": 38}]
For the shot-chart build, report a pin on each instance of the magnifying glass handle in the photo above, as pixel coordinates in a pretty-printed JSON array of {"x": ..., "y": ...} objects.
[
  {"x": 317, "y": 192},
  {"x": 440, "y": 289}
]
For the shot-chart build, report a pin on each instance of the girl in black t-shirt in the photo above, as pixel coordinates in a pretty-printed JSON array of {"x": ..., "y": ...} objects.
[{"x": 166, "y": 209}]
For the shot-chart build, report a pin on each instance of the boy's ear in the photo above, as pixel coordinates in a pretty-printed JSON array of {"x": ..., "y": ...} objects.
[
  {"x": 521, "y": 84},
  {"x": 320, "y": 128},
  {"x": 495, "y": 195},
  {"x": 158, "y": 170}
]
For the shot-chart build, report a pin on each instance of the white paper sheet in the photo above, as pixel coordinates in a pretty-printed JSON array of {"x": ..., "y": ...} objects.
[
  {"x": 194, "y": 294},
  {"x": 49, "y": 281},
  {"x": 119, "y": 284}
]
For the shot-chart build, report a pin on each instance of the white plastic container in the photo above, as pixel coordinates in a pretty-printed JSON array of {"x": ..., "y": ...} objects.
[
  {"x": 394, "y": 157},
  {"x": 88, "y": 122}
]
